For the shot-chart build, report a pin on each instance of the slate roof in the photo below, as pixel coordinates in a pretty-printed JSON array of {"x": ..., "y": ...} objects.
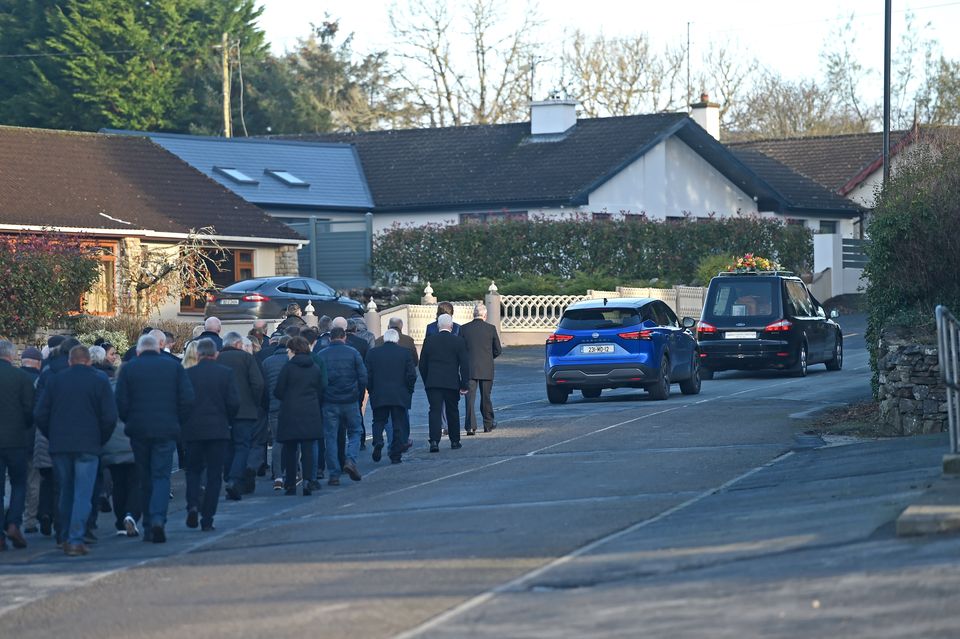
[
  {"x": 332, "y": 172},
  {"x": 801, "y": 193},
  {"x": 493, "y": 166},
  {"x": 90, "y": 180},
  {"x": 831, "y": 161}
]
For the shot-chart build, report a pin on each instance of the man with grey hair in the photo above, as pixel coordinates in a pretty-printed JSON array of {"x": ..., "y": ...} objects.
[
  {"x": 241, "y": 478},
  {"x": 445, "y": 370},
  {"x": 211, "y": 331},
  {"x": 405, "y": 341},
  {"x": 483, "y": 346},
  {"x": 391, "y": 377},
  {"x": 154, "y": 397},
  {"x": 16, "y": 406}
]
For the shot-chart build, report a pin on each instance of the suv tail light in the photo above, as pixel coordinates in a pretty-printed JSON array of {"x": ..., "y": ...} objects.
[
  {"x": 255, "y": 297},
  {"x": 211, "y": 297},
  {"x": 778, "y": 327},
  {"x": 646, "y": 334},
  {"x": 557, "y": 338},
  {"x": 705, "y": 327}
]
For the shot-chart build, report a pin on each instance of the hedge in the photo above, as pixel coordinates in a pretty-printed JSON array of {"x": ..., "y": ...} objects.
[
  {"x": 914, "y": 251},
  {"x": 630, "y": 249}
]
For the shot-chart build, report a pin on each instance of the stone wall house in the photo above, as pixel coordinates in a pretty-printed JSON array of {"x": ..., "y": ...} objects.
[{"x": 127, "y": 195}]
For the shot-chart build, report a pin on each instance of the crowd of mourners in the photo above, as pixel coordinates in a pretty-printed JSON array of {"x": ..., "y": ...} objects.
[{"x": 85, "y": 429}]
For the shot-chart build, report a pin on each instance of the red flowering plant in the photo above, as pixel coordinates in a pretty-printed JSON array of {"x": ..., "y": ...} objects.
[
  {"x": 42, "y": 277},
  {"x": 750, "y": 263}
]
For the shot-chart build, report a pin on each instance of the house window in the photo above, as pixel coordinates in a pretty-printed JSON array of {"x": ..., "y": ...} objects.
[
  {"x": 235, "y": 265},
  {"x": 489, "y": 218},
  {"x": 828, "y": 227},
  {"x": 101, "y": 299}
]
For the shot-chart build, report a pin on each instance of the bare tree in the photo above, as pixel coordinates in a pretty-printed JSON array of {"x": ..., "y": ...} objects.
[
  {"x": 621, "y": 76},
  {"x": 845, "y": 76},
  {"x": 727, "y": 75},
  {"x": 488, "y": 85}
]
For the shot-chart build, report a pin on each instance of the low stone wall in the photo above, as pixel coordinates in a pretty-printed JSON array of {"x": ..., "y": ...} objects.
[{"x": 911, "y": 393}]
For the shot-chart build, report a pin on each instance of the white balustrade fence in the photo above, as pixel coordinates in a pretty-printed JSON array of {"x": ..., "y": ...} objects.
[{"x": 533, "y": 313}]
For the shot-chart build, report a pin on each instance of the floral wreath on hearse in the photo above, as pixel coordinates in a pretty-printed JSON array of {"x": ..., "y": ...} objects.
[{"x": 750, "y": 263}]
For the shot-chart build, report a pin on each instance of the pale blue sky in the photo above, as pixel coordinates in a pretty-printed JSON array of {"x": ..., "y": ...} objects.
[{"x": 785, "y": 36}]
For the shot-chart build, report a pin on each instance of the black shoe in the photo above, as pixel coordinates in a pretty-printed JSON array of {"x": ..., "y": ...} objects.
[
  {"x": 233, "y": 493},
  {"x": 395, "y": 460},
  {"x": 377, "y": 452},
  {"x": 248, "y": 483},
  {"x": 333, "y": 481},
  {"x": 434, "y": 447},
  {"x": 319, "y": 475},
  {"x": 193, "y": 518},
  {"x": 89, "y": 537},
  {"x": 456, "y": 445},
  {"x": 490, "y": 428},
  {"x": 262, "y": 471},
  {"x": 307, "y": 492},
  {"x": 363, "y": 445},
  {"x": 208, "y": 528},
  {"x": 351, "y": 470},
  {"x": 46, "y": 526},
  {"x": 472, "y": 432},
  {"x": 158, "y": 535}
]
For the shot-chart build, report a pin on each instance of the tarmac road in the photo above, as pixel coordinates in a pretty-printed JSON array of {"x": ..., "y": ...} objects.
[{"x": 621, "y": 516}]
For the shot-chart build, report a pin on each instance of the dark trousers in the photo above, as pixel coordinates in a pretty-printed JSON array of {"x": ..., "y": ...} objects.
[
  {"x": 399, "y": 423},
  {"x": 485, "y": 386},
  {"x": 241, "y": 434},
  {"x": 126, "y": 492},
  {"x": 14, "y": 462},
  {"x": 444, "y": 401},
  {"x": 290, "y": 451},
  {"x": 206, "y": 455},
  {"x": 48, "y": 503},
  {"x": 154, "y": 459}
]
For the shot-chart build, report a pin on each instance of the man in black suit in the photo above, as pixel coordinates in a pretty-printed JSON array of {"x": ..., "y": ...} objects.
[
  {"x": 483, "y": 346},
  {"x": 445, "y": 369},
  {"x": 207, "y": 432},
  {"x": 391, "y": 378}
]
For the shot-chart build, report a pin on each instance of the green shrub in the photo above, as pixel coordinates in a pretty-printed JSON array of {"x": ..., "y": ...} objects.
[
  {"x": 119, "y": 339},
  {"x": 129, "y": 328},
  {"x": 632, "y": 250},
  {"x": 914, "y": 252},
  {"x": 711, "y": 265},
  {"x": 42, "y": 277}
]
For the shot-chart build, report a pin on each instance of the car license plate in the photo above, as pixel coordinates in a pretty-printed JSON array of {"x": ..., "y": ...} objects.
[
  {"x": 740, "y": 335},
  {"x": 224, "y": 302},
  {"x": 593, "y": 349}
]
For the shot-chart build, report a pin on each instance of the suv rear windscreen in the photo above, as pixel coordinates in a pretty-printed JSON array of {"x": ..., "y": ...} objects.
[
  {"x": 742, "y": 297},
  {"x": 598, "y": 318}
]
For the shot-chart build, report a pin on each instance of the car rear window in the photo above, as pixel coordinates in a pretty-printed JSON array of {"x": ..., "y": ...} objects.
[
  {"x": 244, "y": 286},
  {"x": 596, "y": 318},
  {"x": 735, "y": 297}
]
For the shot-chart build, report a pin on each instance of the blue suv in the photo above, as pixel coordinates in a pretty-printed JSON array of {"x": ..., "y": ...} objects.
[{"x": 621, "y": 343}]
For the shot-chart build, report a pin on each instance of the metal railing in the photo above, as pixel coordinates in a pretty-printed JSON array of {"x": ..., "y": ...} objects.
[{"x": 948, "y": 349}]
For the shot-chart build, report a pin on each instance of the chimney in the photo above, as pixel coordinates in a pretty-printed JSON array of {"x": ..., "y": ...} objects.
[
  {"x": 707, "y": 114},
  {"x": 553, "y": 115}
]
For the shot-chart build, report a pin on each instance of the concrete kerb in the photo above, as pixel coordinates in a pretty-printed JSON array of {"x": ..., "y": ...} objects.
[{"x": 936, "y": 512}]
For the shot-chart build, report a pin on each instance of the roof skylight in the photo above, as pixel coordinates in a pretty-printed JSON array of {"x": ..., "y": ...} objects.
[
  {"x": 234, "y": 174},
  {"x": 287, "y": 177}
]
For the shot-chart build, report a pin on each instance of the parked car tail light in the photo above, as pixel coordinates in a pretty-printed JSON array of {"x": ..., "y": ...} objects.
[
  {"x": 636, "y": 335},
  {"x": 557, "y": 338},
  {"x": 211, "y": 297},
  {"x": 705, "y": 327},
  {"x": 255, "y": 297},
  {"x": 779, "y": 327}
]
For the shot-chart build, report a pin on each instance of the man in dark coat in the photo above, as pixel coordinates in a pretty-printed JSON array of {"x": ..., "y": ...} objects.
[
  {"x": 154, "y": 397},
  {"x": 443, "y": 308},
  {"x": 77, "y": 414},
  {"x": 271, "y": 367},
  {"x": 300, "y": 388},
  {"x": 293, "y": 318},
  {"x": 346, "y": 384},
  {"x": 211, "y": 331},
  {"x": 16, "y": 419},
  {"x": 249, "y": 380},
  {"x": 207, "y": 432},
  {"x": 483, "y": 346},
  {"x": 445, "y": 370},
  {"x": 405, "y": 340},
  {"x": 391, "y": 377}
]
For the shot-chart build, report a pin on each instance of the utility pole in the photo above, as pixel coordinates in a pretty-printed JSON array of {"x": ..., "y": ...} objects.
[
  {"x": 887, "y": 18},
  {"x": 688, "y": 66},
  {"x": 225, "y": 60}
]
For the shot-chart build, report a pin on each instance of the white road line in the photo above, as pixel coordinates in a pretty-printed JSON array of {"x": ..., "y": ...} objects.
[{"x": 516, "y": 583}]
